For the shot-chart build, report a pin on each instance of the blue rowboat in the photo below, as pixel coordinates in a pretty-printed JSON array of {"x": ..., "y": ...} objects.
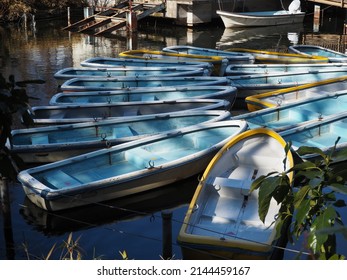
[
  {"x": 128, "y": 63},
  {"x": 218, "y": 62},
  {"x": 254, "y": 69},
  {"x": 63, "y": 114},
  {"x": 269, "y": 57},
  {"x": 295, "y": 94},
  {"x": 53, "y": 143},
  {"x": 127, "y": 169},
  {"x": 249, "y": 85},
  {"x": 311, "y": 50},
  {"x": 232, "y": 57},
  {"x": 145, "y": 94},
  {"x": 296, "y": 114},
  {"x": 84, "y": 72},
  {"x": 107, "y": 84},
  {"x": 326, "y": 133}
]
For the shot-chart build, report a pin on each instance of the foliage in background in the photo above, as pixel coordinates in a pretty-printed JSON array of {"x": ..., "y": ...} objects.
[
  {"x": 13, "y": 101},
  {"x": 13, "y": 10},
  {"x": 312, "y": 204}
]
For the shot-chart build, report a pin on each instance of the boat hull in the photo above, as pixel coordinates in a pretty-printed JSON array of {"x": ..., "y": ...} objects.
[
  {"x": 255, "y": 19},
  {"x": 332, "y": 55},
  {"x": 296, "y": 114},
  {"x": 73, "y": 72},
  {"x": 145, "y": 94},
  {"x": 294, "y": 94},
  {"x": 53, "y": 143},
  {"x": 219, "y": 63},
  {"x": 122, "y": 83},
  {"x": 128, "y": 168},
  {"x": 232, "y": 57},
  {"x": 67, "y": 114}
]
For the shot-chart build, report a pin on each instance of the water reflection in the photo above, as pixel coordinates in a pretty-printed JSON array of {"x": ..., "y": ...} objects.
[
  {"x": 266, "y": 36},
  {"x": 130, "y": 208}
]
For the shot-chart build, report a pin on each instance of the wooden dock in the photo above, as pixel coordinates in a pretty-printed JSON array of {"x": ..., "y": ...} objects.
[
  {"x": 336, "y": 3},
  {"x": 115, "y": 18}
]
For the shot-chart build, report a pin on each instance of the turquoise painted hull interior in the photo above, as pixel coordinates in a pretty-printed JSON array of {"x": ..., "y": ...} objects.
[
  {"x": 109, "y": 131},
  {"x": 322, "y": 136},
  {"x": 299, "y": 113},
  {"x": 107, "y": 165}
]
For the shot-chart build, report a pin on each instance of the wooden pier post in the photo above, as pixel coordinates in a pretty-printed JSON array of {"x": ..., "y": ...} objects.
[
  {"x": 6, "y": 210},
  {"x": 167, "y": 234},
  {"x": 316, "y": 18},
  {"x": 68, "y": 16}
]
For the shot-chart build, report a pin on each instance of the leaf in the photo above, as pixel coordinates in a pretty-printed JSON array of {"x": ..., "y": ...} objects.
[
  {"x": 340, "y": 155},
  {"x": 301, "y": 195},
  {"x": 334, "y": 230},
  {"x": 304, "y": 165},
  {"x": 317, "y": 237},
  {"x": 304, "y": 150},
  {"x": 283, "y": 189},
  {"x": 257, "y": 182},
  {"x": 340, "y": 203},
  {"x": 301, "y": 214},
  {"x": 266, "y": 190},
  {"x": 123, "y": 254},
  {"x": 339, "y": 188}
]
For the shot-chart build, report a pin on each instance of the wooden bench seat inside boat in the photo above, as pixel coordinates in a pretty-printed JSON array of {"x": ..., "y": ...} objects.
[{"x": 143, "y": 158}]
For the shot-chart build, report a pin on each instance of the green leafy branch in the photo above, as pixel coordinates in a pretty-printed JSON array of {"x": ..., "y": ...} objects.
[{"x": 309, "y": 201}]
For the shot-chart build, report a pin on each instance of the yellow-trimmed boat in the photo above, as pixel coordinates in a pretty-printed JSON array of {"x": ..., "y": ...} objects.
[
  {"x": 219, "y": 63},
  {"x": 269, "y": 57},
  {"x": 222, "y": 220},
  {"x": 294, "y": 94}
]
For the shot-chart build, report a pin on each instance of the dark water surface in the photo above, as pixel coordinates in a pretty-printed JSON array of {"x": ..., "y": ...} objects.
[{"x": 133, "y": 224}]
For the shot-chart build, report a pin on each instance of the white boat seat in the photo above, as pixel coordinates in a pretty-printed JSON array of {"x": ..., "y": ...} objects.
[
  {"x": 143, "y": 158},
  {"x": 60, "y": 180},
  {"x": 39, "y": 139},
  {"x": 242, "y": 186}
]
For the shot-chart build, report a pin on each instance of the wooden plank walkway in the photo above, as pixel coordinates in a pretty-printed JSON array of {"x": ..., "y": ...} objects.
[
  {"x": 336, "y": 3},
  {"x": 114, "y": 18}
]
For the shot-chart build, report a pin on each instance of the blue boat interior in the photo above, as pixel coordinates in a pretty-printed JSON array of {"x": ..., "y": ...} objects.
[
  {"x": 112, "y": 164},
  {"x": 321, "y": 136}
]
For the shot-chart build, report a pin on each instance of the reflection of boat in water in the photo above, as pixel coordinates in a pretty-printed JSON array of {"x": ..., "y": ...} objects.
[
  {"x": 232, "y": 36},
  {"x": 95, "y": 215}
]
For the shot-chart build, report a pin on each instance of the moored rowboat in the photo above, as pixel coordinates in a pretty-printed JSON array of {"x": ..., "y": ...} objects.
[
  {"x": 53, "y": 143},
  {"x": 259, "y": 18},
  {"x": 145, "y": 94},
  {"x": 219, "y": 62},
  {"x": 333, "y": 56},
  {"x": 127, "y": 63},
  {"x": 295, "y": 94},
  {"x": 63, "y": 114},
  {"x": 267, "y": 57},
  {"x": 84, "y": 72},
  {"x": 232, "y": 57},
  {"x": 107, "y": 84},
  {"x": 222, "y": 221},
  {"x": 127, "y": 169}
]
